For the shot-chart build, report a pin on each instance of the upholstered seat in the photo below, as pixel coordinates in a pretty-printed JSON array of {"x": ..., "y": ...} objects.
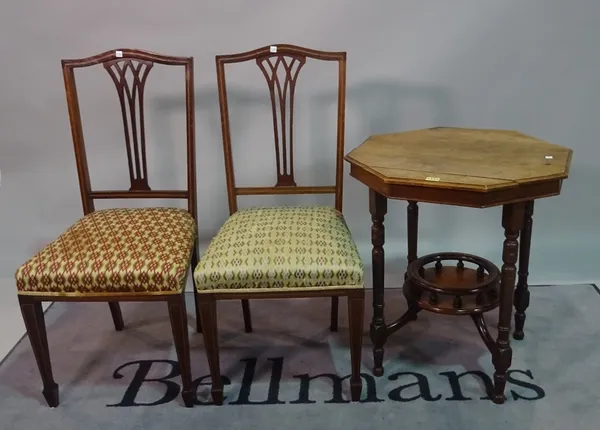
[
  {"x": 292, "y": 248},
  {"x": 116, "y": 251}
]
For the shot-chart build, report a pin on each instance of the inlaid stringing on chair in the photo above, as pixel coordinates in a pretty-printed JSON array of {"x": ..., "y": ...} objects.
[
  {"x": 281, "y": 252},
  {"x": 115, "y": 255}
]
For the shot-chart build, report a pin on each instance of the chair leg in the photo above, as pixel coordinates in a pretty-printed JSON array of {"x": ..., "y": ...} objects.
[
  {"x": 208, "y": 313},
  {"x": 356, "y": 309},
  {"x": 33, "y": 315},
  {"x": 117, "y": 316},
  {"x": 178, "y": 316},
  {"x": 196, "y": 306},
  {"x": 247, "y": 316},
  {"x": 335, "y": 304}
]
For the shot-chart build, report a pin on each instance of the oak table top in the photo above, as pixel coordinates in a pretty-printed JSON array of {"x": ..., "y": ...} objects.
[{"x": 480, "y": 167}]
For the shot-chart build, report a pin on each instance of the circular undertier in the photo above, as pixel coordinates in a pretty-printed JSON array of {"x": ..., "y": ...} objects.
[{"x": 453, "y": 283}]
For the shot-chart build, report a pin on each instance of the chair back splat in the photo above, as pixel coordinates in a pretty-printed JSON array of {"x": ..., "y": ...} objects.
[
  {"x": 281, "y": 66},
  {"x": 129, "y": 69}
]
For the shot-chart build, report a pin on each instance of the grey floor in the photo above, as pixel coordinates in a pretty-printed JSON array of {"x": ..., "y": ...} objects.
[{"x": 289, "y": 372}]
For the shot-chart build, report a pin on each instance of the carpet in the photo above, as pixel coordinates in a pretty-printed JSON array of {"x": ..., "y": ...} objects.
[{"x": 290, "y": 373}]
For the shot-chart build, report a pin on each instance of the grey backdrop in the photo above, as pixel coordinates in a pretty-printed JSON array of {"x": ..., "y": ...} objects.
[{"x": 528, "y": 65}]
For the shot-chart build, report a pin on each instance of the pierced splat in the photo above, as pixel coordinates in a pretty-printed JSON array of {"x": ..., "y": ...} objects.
[
  {"x": 131, "y": 97},
  {"x": 281, "y": 73}
]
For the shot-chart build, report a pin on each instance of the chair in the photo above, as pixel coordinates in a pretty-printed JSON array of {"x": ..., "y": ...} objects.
[
  {"x": 117, "y": 255},
  {"x": 281, "y": 252}
]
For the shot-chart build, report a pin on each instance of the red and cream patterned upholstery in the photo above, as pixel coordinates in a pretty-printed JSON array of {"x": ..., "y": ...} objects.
[{"x": 116, "y": 251}]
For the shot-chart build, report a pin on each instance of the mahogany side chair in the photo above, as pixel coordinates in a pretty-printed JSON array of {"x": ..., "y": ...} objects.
[
  {"x": 116, "y": 255},
  {"x": 283, "y": 251}
]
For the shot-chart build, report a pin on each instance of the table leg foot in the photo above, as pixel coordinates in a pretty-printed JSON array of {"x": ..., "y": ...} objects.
[
  {"x": 521, "y": 298},
  {"x": 498, "y": 399},
  {"x": 378, "y": 338},
  {"x": 502, "y": 358},
  {"x": 521, "y": 305}
]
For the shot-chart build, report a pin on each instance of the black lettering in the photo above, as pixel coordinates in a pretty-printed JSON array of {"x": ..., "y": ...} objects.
[
  {"x": 539, "y": 391},
  {"x": 304, "y": 392},
  {"x": 248, "y": 379},
  {"x": 422, "y": 383},
  {"x": 422, "y": 389},
  {"x": 454, "y": 380},
  {"x": 200, "y": 382},
  {"x": 140, "y": 377}
]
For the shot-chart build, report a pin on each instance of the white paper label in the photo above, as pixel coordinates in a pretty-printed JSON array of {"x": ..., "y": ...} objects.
[
  {"x": 273, "y": 49},
  {"x": 119, "y": 54},
  {"x": 431, "y": 178},
  {"x": 548, "y": 157}
]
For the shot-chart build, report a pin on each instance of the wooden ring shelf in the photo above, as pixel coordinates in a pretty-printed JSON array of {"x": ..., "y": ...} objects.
[
  {"x": 453, "y": 289},
  {"x": 434, "y": 285}
]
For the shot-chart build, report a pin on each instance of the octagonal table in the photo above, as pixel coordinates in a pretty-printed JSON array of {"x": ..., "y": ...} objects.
[{"x": 464, "y": 167}]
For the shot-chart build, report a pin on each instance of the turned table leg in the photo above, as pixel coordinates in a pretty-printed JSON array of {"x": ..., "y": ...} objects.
[
  {"x": 512, "y": 220},
  {"x": 412, "y": 235},
  {"x": 412, "y": 224},
  {"x": 378, "y": 329},
  {"x": 522, "y": 290}
]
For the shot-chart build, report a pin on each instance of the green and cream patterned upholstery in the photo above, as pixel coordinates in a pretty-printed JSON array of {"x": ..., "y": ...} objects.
[{"x": 288, "y": 247}]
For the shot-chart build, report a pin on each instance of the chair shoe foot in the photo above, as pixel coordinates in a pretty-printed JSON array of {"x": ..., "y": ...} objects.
[
  {"x": 51, "y": 395},
  {"x": 189, "y": 398},
  {"x": 217, "y": 395},
  {"x": 355, "y": 389},
  {"x": 498, "y": 398}
]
